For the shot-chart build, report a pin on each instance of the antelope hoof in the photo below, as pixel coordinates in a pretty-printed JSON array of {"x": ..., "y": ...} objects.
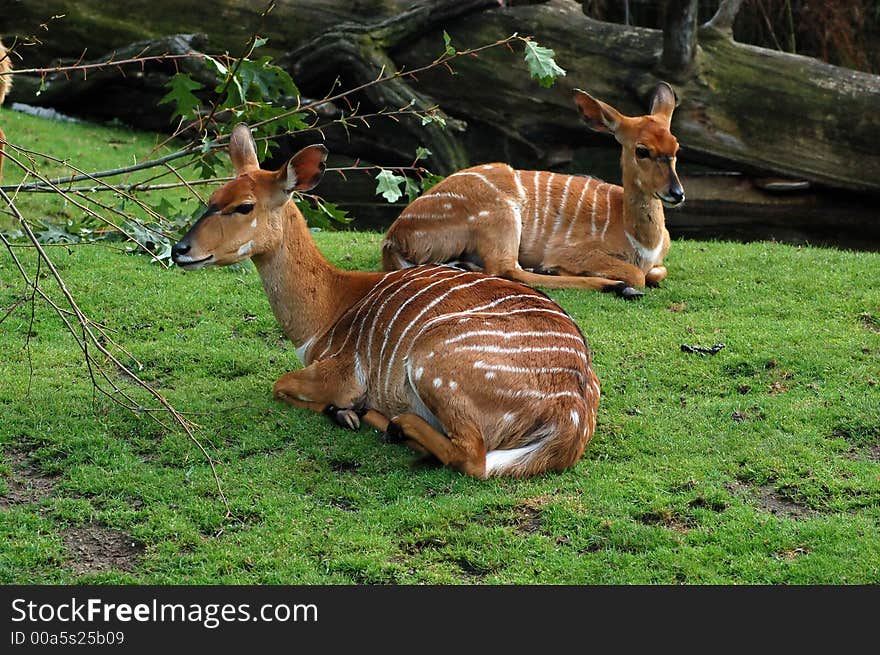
[
  {"x": 625, "y": 291},
  {"x": 345, "y": 418},
  {"x": 393, "y": 433}
]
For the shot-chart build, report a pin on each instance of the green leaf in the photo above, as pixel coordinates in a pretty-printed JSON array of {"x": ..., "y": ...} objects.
[
  {"x": 541, "y": 64},
  {"x": 430, "y": 180},
  {"x": 447, "y": 42},
  {"x": 433, "y": 117},
  {"x": 411, "y": 188},
  {"x": 181, "y": 94},
  {"x": 389, "y": 185},
  {"x": 422, "y": 153}
]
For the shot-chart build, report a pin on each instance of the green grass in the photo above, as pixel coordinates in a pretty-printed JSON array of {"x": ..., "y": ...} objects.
[
  {"x": 90, "y": 148},
  {"x": 688, "y": 457},
  {"x": 757, "y": 465}
]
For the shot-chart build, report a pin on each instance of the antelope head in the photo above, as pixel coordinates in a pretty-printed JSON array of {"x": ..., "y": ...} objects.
[
  {"x": 244, "y": 217},
  {"x": 649, "y": 148}
]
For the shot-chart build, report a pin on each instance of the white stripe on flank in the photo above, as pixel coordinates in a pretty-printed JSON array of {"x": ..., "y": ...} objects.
[
  {"x": 533, "y": 227},
  {"x": 512, "y": 335},
  {"x": 484, "y": 212},
  {"x": 575, "y": 418},
  {"x": 519, "y": 186},
  {"x": 382, "y": 307},
  {"x": 607, "y": 213},
  {"x": 429, "y": 216},
  {"x": 365, "y": 307},
  {"x": 541, "y": 235},
  {"x": 593, "y": 213},
  {"x": 577, "y": 209},
  {"x": 419, "y": 316},
  {"x": 535, "y": 393},
  {"x": 538, "y": 370},
  {"x": 479, "y": 176},
  {"x": 490, "y": 305},
  {"x": 522, "y": 349},
  {"x": 446, "y": 194},
  {"x": 560, "y": 212},
  {"x": 386, "y": 282},
  {"x": 499, "y": 461},
  {"x": 389, "y": 326}
]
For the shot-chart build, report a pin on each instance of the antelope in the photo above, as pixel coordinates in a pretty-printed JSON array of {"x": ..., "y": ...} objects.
[
  {"x": 489, "y": 376},
  {"x": 571, "y": 231},
  {"x": 5, "y": 85}
]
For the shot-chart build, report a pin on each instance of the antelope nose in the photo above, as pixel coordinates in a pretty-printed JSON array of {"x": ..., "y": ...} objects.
[
  {"x": 677, "y": 194},
  {"x": 179, "y": 249}
]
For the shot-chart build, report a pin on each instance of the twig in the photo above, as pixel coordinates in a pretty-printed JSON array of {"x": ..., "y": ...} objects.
[{"x": 89, "y": 337}]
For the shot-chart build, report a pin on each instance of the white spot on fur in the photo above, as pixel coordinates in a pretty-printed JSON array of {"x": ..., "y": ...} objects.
[
  {"x": 484, "y": 212},
  {"x": 430, "y": 355},
  {"x": 508, "y": 417},
  {"x": 488, "y": 167},
  {"x": 575, "y": 418},
  {"x": 471, "y": 218},
  {"x": 453, "y": 385},
  {"x": 648, "y": 256},
  {"x": 447, "y": 205},
  {"x": 418, "y": 373},
  {"x": 254, "y": 223},
  {"x": 246, "y": 249},
  {"x": 438, "y": 382}
]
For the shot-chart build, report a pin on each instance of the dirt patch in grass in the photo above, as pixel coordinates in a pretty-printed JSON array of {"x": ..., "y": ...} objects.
[
  {"x": 869, "y": 322},
  {"x": 769, "y": 499},
  {"x": 27, "y": 484},
  {"x": 667, "y": 519},
  {"x": 343, "y": 465},
  {"x": 527, "y": 515},
  {"x": 94, "y": 548}
]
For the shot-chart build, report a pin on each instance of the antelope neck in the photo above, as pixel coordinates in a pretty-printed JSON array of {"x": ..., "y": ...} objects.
[
  {"x": 643, "y": 217},
  {"x": 306, "y": 292}
]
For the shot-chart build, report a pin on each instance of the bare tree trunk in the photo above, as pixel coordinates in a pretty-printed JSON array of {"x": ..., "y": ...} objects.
[{"x": 680, "y": 37}]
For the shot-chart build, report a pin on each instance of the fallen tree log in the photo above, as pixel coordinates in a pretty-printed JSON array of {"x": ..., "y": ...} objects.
[{"x": 745, "y": 109}]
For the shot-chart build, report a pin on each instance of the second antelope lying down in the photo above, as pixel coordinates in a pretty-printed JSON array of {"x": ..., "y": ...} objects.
[
  {"x": 487, "y": 375},
  {"x": 583, "y": 232}
]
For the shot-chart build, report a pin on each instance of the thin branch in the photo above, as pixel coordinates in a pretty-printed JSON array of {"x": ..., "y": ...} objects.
[{"x": 88, "y": 336}]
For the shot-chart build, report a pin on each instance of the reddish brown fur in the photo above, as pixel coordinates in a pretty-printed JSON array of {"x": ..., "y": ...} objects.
[
  {"x": 590, "y": 234},
  {"x": 487, "y": 375}
]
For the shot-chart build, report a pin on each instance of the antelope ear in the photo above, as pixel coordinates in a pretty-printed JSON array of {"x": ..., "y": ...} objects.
[
  {"x": 598, "y": 115},
  {"x": 663, "y": 101},
  {"x": 242, "y": 150},
  {"x": 304, "y": 170}
]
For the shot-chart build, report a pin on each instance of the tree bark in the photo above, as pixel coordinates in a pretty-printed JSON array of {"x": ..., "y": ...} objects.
[
  {"x": 742, "y": 108},
  {"x": 680, "y": 37}
]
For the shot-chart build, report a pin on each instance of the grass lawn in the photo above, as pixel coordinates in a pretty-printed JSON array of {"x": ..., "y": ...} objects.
[{"x": 760, "y": 464}]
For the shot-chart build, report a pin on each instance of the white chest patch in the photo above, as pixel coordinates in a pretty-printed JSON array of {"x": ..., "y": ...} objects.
[
  {"x": 301, "y": 351},
  {"x": 647, "y": 256},
  {"x": 245, "y": 249}
]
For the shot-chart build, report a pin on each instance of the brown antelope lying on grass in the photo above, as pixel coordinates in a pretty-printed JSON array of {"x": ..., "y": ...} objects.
[
  {"x": 5, "y": 85},
  {"x": 577, "y": 231},
  {"x": 489, "y": 376}
]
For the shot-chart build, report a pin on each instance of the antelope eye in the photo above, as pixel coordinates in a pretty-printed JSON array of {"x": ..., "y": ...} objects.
[
  {"x": 245, "y": 208},
  {"x": 642, "y": 152}
]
